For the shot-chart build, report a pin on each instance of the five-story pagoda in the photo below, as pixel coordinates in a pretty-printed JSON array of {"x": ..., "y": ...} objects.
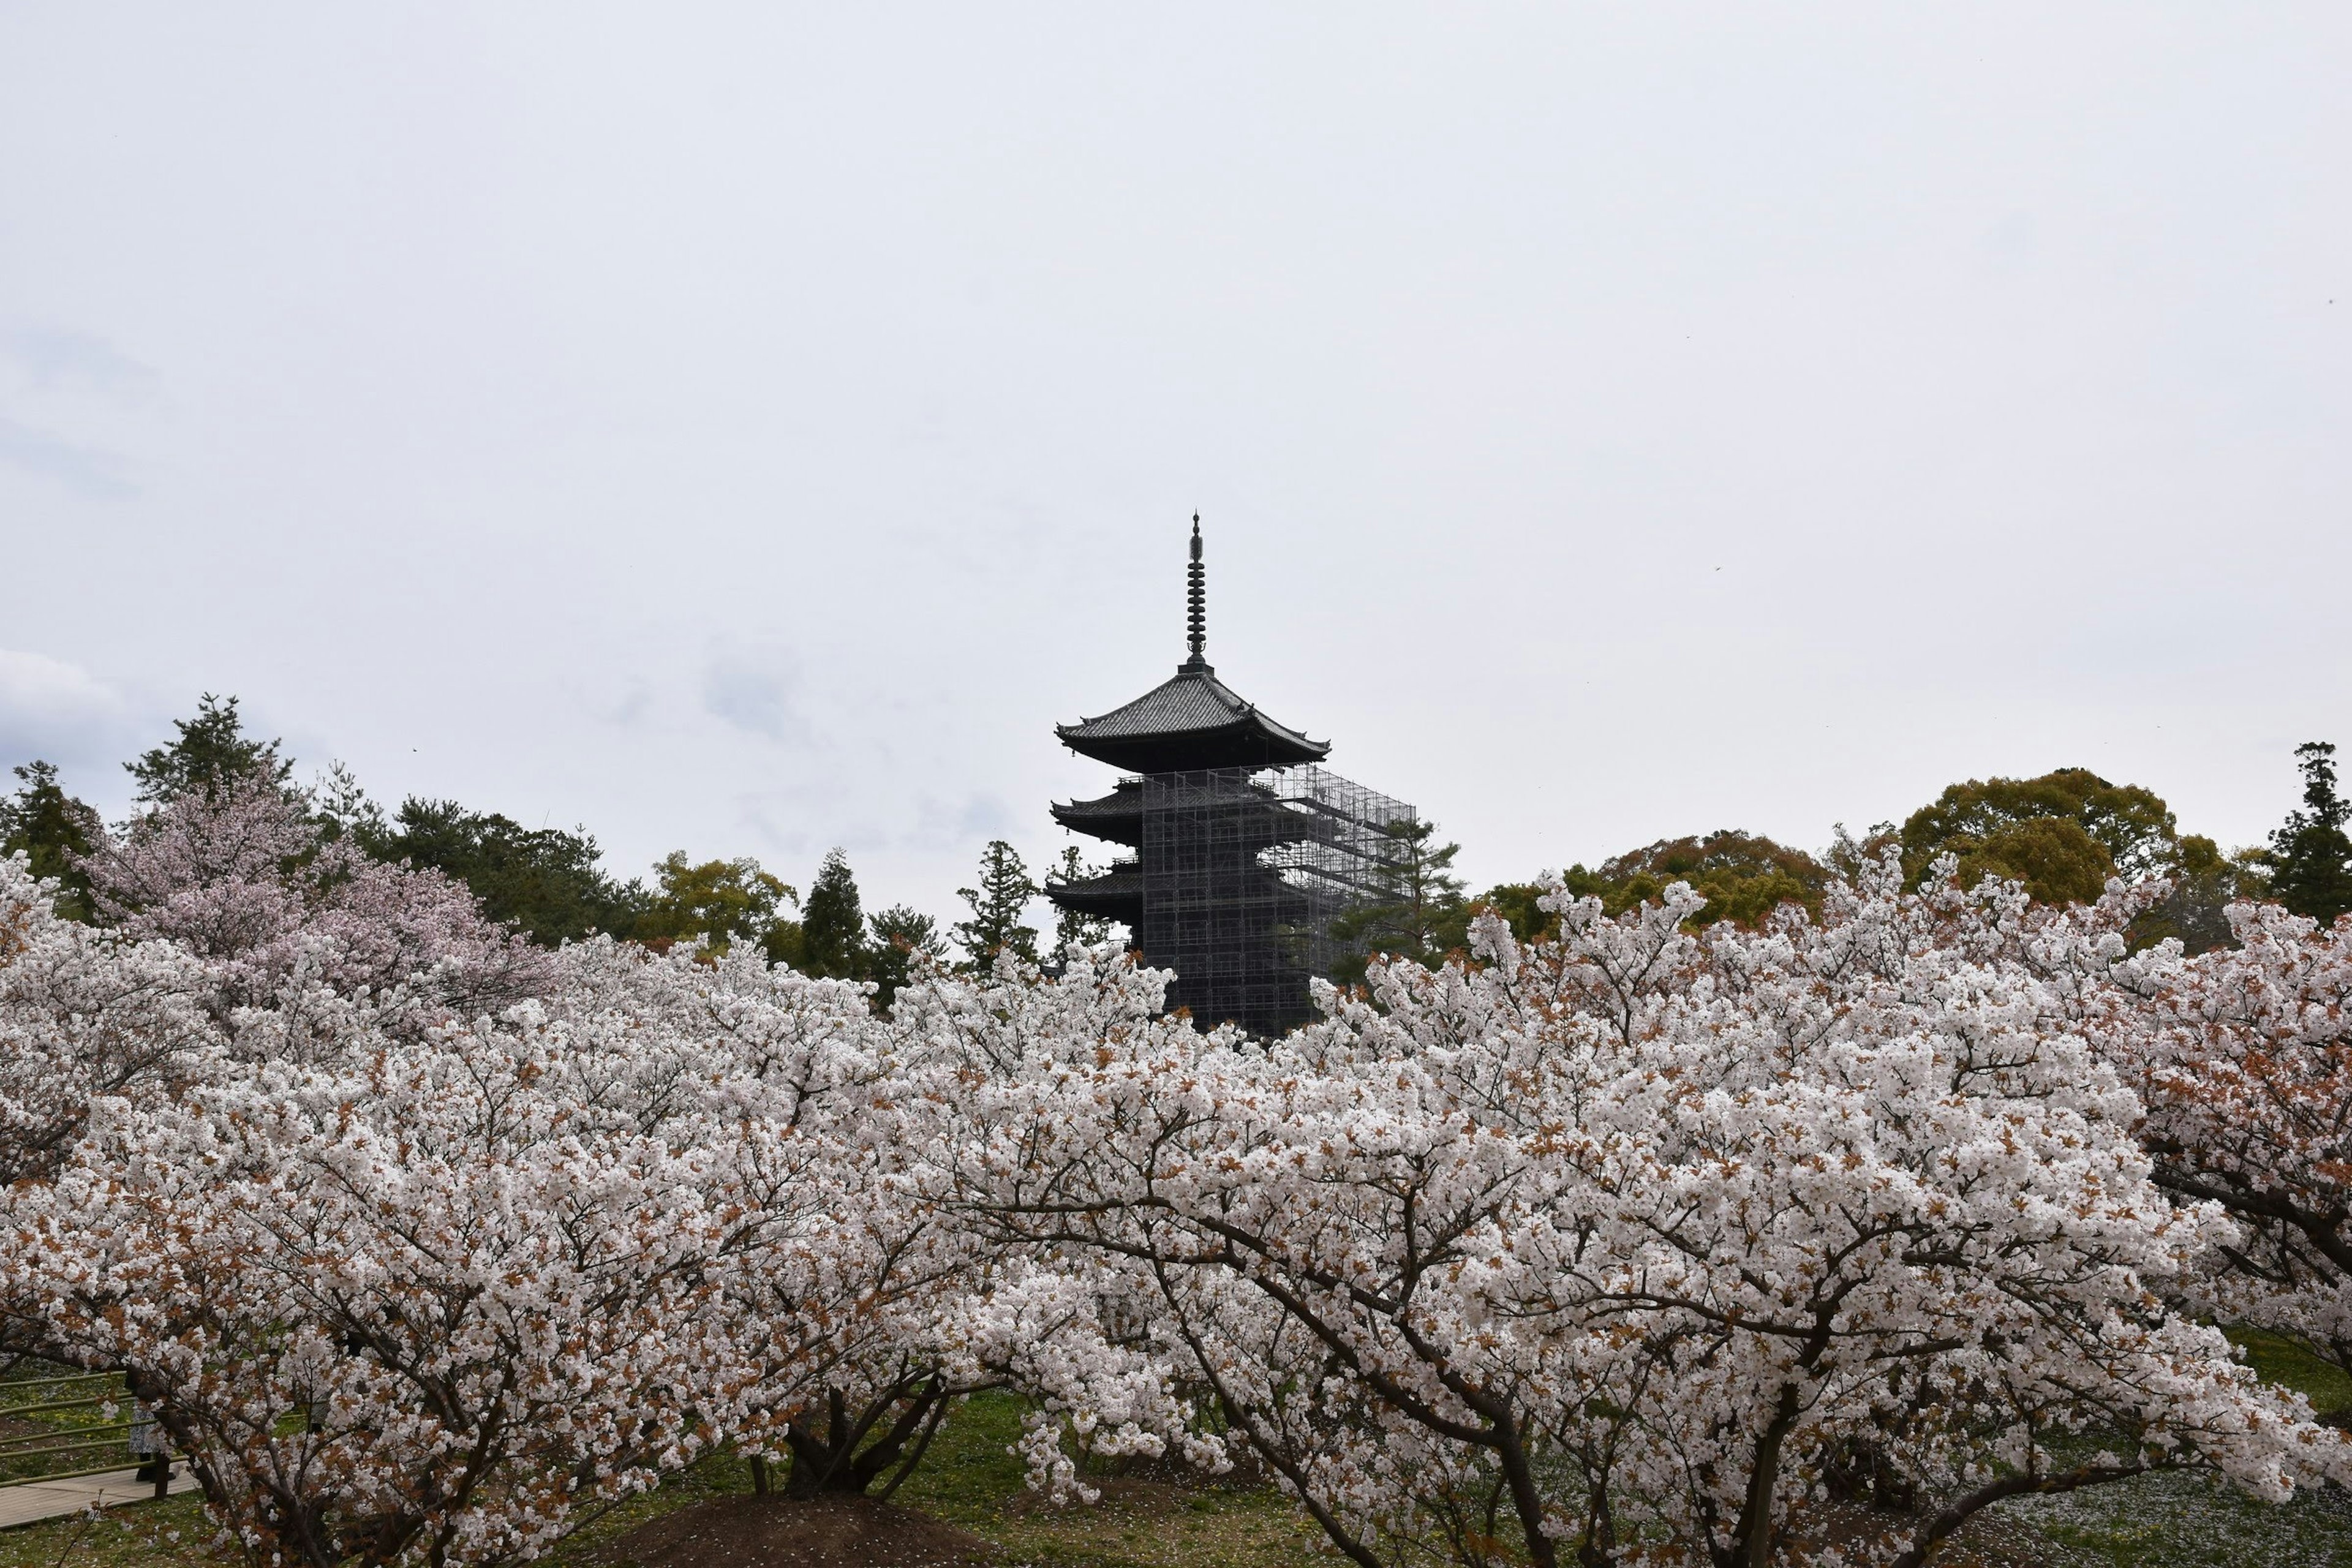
[{"x": 1245, "y": 850}]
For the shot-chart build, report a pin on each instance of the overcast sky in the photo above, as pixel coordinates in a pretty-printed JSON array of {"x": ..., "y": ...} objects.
[{"x": 747, "y": 429}]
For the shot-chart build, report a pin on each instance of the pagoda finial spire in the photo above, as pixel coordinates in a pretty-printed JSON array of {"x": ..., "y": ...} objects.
[{"x": 1196, "y": 599}]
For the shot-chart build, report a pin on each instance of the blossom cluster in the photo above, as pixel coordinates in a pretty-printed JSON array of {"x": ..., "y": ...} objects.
[
  {"x": 1647, "y": 1242},
  {"x": 1633, "y": 1245}
]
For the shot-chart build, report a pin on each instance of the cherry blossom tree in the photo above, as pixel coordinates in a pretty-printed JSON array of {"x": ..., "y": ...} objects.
[
  {"x": 438, "y": 1294},
  {"x": 2243, "y": 1058},
  {"x": 245, "y": 878},
  {"x": 1070, "y": 1331},
  {"x": 840, "y": 1300},
  {"x": 1636, "y": 1244},
  {"x": 424, "y": 1306},
  {"x": 862, "y": 1306},
  {"x": 1641, "y": 1240},
  {"x": 83, "y": 1013}
]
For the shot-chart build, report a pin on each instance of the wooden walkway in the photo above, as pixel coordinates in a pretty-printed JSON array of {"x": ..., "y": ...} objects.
[{"x": 35, "y": 1501}]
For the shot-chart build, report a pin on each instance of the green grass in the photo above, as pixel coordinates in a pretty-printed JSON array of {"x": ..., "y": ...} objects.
[
  {"x": 26, "y": 1398},
  {"x": 2280, "y": 1360},
  {"x": 970, "y": 1479},
  {"x": 1148, "y": 1522},
  {"x": 170, "y": 1534},
  {"x": 2191, "y": 1521}
]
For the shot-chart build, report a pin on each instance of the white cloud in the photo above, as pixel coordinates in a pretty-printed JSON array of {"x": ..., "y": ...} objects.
[
  {"x": 756, "y": 691},
  {"x": 50, "y": 359},
  {"x": 89, "y": 470},
  {"x": 56, "y": 710}
]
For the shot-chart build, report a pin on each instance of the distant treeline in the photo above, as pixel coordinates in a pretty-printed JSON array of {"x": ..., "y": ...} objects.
[{"x": 2062, "y": 836}]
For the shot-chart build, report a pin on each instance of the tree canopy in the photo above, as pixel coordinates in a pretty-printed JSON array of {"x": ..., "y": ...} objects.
[
  {"x": 833, "y": 927},
  {"x": 997, "y": 905},
  {"x": 54, "y": 832},
  {"x": 211, "y": 749},
  {"x": 2063, "y": 834},
  {"x": 2310, "y": 858},
  {"x": 1743, "y": 877},
  {"x": 1416, "y": 909},
  {"x": 545, "y": 881},
  {"x": 902, "y": 938},
  {"x": 720, "y": 903}
]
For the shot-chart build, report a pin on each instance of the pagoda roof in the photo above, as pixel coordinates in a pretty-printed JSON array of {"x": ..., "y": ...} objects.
[
  {"x": 1117, "y": 816},
  {"x": 1117, "y": 894},
  {"x": 1193, "y": 721}
]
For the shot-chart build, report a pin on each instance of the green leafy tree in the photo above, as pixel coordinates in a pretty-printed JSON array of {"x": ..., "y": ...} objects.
[
  {"x": 832, "y": 926},
  {"x": 2310, "y": 858},
  {"x": 2205, "y": 883},
  {"x": 901, "y": 938},
  {"x": 1516, "y": 902},
  {"x": 547, "y": 882},
  {"x": 211, "y": 747},
  {"x": 720, "y": 903},
  {"x": 1074, "y": 925},
  {"x": 2063, "y": 834},
  {"x": 1002, "y": 896},
  {"x": 1743, "y": 876},
  {"x": 54, "y": 832},
  {"x": 1416, "y": 909}
]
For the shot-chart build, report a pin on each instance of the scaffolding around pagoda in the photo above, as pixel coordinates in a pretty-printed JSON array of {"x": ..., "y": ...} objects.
[
  {"x": 1243, "y": 875},
  {"x": 1247, "y": 853}
]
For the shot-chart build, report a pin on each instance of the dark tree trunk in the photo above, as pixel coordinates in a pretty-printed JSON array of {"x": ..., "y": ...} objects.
[{"x": 841, "y": 1452}]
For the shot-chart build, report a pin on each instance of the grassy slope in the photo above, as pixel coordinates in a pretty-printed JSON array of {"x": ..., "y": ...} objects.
[
  {"x": 971, "y": 1480},
  {"x": 2189, "y": 1522}
]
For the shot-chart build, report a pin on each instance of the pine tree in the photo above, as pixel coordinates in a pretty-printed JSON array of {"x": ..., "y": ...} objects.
[
  {"x": 1071, "y": 925},
  {"x": 833, "y": 927},
  {"x": 551, "y": 883},
  {"x": 997, "y": 905},
  {"x": 2311, "y": 856},
  {"x": 1416, "y": 911},
  {"x": 53, "y": 831},
  {"x": 902, "y": 937},
  {"x": 212, "y": 747}
]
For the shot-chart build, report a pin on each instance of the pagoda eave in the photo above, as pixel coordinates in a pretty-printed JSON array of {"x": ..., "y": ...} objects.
[
  {"x": 1240, "y": 745},
  {"x": 1118, "y": 896},
  {"x": 1117, "y": 816}
]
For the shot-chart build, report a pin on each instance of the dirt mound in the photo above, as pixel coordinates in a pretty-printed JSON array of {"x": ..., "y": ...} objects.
[{"x": 771, "y": 1533}]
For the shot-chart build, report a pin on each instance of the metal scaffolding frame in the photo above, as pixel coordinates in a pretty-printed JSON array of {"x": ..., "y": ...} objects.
[{"x": 1244, "y": 872}]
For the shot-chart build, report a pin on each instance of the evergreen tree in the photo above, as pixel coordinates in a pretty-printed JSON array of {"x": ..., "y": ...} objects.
[
  {"x": 902, "y": 937},
  {"x": 1071, "y": 925},
  {"x": 545, "y": 881},
  {"x": 212, "y": 747},
  {"x": 2311, "y": 856},
  {"x": 53, "y": 831},
  {"x": 997, "y": 905},
  {"x": 833, "y": 927},
  {"x": 344, "y": 810},
  {"x": 1416, "y": 909}
]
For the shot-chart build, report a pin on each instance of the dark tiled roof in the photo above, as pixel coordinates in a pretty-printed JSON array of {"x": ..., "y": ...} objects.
[
  {"x": 1119, "y": 893},
  {"x": 1117, "y": 816},
  {"x": 1125, "y": 799},
  {"x": 1193, "y": 721}
]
